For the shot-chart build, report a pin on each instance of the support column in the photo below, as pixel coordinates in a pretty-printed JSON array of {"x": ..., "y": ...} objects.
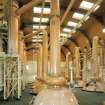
[
  {"x": 55, "y": 38},
  {"x": 1, "y": 66},
  {"x": 95, "y": 55},
  {"x": 77, "y": 64},
  {"x": 56, "y": 77},
  {"x": 71, "y": 72},
  {"x": 45, "y": 55},
  {"x": 39, "y": 62},
  {"x": 84, "y": 71},
  {"x": 102, "y": 60},
  {"x": 21, "y": 47},
  {"x": 13, "y": 29},
  {"x": 24, "y": 55},
  {"x": 1, "y": 45},
  {"x": 67, "y": 71}
]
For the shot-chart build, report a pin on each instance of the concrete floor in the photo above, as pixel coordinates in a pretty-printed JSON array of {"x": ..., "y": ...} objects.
[
  {"x": 84, "y": 98},
  {"x": 89, "y": 98}
]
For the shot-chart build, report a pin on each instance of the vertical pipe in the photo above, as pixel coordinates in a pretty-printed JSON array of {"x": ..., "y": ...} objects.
[
  {"x": 45, "y": 54},
  {"x": 67, "y": 66},
  {"x": 101, "y": 52},
  {"x": 21, "y": 66},
  {"x": 24, "y": 55},
  {"x": 21, "y": 47},
  {"x": 1, "y": 66},
  {"x": 13, "y": 29},
  {"x": 84, "y": 72},
  {"x": 77, "y": 63},
  {"x": 39, "y": 62},
  {"x": 54, "y": 38},
  {"x": 24, "y": 64},
  {"x": 1, "y": 45},
  {"x": 71, "y": 72},
  {"x": 95, "y": 53},
  {"x": 101, "y": 56}
]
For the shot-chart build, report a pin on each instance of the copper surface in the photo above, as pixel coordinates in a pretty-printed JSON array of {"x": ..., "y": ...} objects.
[
  {"x": 67, "y": 71},
  {"x": 77, "y": 64},
  {"x": 13, "y": 29},
  {"x": 55, "y": 96},
  {"x": 45, "y": 55}
]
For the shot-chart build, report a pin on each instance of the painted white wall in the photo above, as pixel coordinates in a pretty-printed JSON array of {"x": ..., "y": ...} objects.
[{"x": 31, "y": 70}]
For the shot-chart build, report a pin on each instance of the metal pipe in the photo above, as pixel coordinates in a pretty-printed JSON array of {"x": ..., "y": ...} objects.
[
  {"x": 24, "y": 56},
  {"x": 27, "y": 6},
  {"x": 95, "y": 54},
  {"x": 1, "y": 45},
  {"x": 54, "y": 38},
  {"x": 101, "y": 51},
  {"x": 45, "y": 54},
  {"x": 67, "y": 72},
  {"x": 39, "y": 59},
  {"x": 39, "y": 62},
  {"x": 84, "y": 72},
  {"x": 71, "y": 72},
  {"x": 21, "y": 47},
  {"x": 44, "y": 48},
  {"x": 77, "y": 63},
  {"x": 13, "y": 29}
]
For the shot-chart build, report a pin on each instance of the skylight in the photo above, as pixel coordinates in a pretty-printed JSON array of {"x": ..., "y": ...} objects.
[
  {"x": 35, "y": 27},
  {"x": 63, "y": 34},
  {"x": 47, "y": 0},
  {"x": 39, "y": 9},
  {"x": 36, "y": 40},
  {"x": 86, "y": 5},
  {"x": 41, "y": 27},
  {"x": 78, "y": 16},
  {"x": 44, "y": 20},
  {"x": 67, "y": 30},
  {"x": 47, "y": 10},
  {"x": 34, "y": 31},
  {"x": 103, "y": 30},
  {"x": 70, "y": 23}
]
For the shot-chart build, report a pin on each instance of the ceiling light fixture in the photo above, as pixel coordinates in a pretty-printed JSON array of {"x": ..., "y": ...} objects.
[
  {"x": 46, "y": 10},
  {"x": 36, "y": 40},
  {"x": 103, "y": 30},
  {"x": 41, "y": 27},
  {"x": 67, "y": 30},
  {"x": 35, "y": 26},
  {"x": 37, "y": 19},
  {"x": 48, "y": 1},
  {"x": 70, "y": 23},
  {"x": 78, "y": 16},
  {"x": 86, "y": 5},
  {"x": 64, "y": 35},
  {"x": 39, "y": 10}
]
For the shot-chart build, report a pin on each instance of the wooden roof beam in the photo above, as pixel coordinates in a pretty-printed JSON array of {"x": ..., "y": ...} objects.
[{"x": 28, "y": 6}]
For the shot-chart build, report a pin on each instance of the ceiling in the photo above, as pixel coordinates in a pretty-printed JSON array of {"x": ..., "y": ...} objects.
[{"x": 83, "y": 35}]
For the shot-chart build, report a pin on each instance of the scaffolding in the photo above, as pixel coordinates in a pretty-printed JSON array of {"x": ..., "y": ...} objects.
[
  {"x": 87, "y": 65},
  {"x": 86, "y": 59},
  {"x": 11, "y": 75}
]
